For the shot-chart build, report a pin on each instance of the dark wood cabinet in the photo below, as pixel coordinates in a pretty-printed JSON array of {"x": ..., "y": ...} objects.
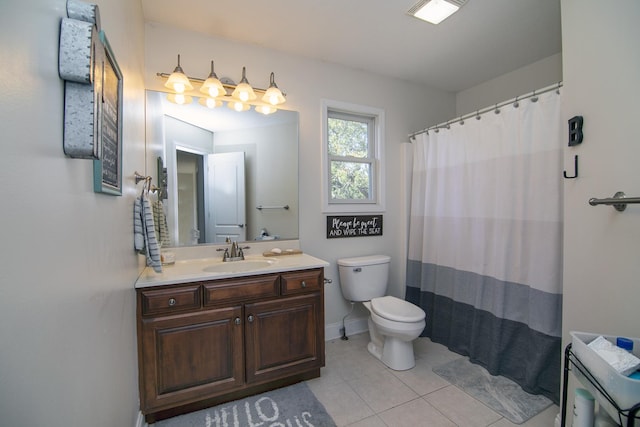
[{"x": 204, "y": 343}]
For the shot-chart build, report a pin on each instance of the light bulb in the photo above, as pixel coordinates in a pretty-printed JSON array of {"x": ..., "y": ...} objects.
[
  {"x": 178, "y": 87},
  {"x": 213, "y": 91}
]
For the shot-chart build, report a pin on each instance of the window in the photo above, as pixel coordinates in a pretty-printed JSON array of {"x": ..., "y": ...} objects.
[{"x": 352, "y": 141}]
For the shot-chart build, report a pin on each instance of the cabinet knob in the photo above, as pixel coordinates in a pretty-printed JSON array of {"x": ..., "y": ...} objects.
[
  {"x": 172, "y": 302},
  {"x": 303, "y": 284},
  {"x": 250, "y": 318},
  {"x": 237, "y": 320}
]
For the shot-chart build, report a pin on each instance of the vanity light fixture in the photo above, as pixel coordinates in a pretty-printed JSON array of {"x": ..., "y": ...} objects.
[
  {"x": 273, "y": 95},
  {"x": 212, "y": 86},
  {"x": 240, "y": 97},
  {"x": 178, "y": 80},
  {"x": 244, "y": 92},
  {"x": 435, "y": 11}
]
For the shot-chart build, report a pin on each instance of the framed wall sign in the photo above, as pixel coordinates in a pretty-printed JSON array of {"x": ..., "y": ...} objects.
[
  {"x": 107, "y": 171},
  {"x": 354, "y": 226}
]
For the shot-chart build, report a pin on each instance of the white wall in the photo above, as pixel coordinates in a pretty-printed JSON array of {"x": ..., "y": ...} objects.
[
  {"x": 408, "y": 108},
  {"x": 537, "y": 75},
  {"x": 602, "y": 246},
  {"x": 67, "y": 266}
]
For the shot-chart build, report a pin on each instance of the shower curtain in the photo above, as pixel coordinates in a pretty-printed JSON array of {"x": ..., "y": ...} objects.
[{"x": 485, "y": 245}]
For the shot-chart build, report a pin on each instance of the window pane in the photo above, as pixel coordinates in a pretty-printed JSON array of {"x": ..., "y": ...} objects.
[
  {"x": 348, "y": 138},
  {"x": 350, "y": 180}
]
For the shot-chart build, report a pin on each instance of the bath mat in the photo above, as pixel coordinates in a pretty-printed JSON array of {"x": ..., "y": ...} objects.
[
  {"x": 295, "y": 405},
  {"x": 498, "y": 393}
]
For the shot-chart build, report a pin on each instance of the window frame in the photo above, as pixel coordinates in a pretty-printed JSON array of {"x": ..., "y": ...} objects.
[{"x": 376, "y": 203}]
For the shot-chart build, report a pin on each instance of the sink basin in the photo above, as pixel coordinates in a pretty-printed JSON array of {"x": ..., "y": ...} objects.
[{"x": 238, "y": 266}]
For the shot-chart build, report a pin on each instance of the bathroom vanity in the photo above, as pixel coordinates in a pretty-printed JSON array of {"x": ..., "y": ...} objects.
[{"x": 210, "y": 332}]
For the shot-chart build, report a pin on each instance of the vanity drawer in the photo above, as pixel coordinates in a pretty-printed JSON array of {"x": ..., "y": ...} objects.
[
  {"x": 227, "y": 291},
  {"x": 170, "y": 299},
  {"x": 301, "y": 281}
]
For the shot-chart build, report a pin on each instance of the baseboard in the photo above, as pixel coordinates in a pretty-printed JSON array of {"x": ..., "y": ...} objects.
[
  {"x": 140, "y": 421},
  {"x": 354, "y": 326}
]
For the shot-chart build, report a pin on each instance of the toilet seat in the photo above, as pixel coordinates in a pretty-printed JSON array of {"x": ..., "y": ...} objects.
[{"x": 398, "y": 310}]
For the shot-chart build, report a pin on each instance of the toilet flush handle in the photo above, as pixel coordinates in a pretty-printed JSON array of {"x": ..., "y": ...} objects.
[{"x": 357, "y": 270}]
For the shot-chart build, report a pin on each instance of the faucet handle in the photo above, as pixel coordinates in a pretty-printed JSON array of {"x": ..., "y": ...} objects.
[{"x": 227, "y": 240}]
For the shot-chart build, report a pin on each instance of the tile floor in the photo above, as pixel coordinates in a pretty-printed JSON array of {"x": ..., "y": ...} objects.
[{"x": 359, "y": 391}]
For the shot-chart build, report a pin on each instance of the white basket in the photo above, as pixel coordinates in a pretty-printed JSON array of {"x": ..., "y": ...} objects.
[{"x": 623, "y": 390}]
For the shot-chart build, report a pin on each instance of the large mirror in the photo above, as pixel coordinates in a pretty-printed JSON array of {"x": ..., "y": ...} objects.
[{"x": 228, "y": 174}]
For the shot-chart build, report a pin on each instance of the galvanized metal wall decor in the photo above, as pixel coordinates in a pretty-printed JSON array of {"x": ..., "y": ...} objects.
[
  {"x": 92, "y": 95},
  {"x": 79, "y": 65}
]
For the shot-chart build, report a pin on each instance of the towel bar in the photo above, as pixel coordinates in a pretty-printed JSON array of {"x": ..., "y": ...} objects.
[
  {"x": 618, "y": 201},
  {"x": 286, "y": 207}
]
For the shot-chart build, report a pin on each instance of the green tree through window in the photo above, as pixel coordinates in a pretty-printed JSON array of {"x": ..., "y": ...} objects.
[{"x": 350, "y": 140}]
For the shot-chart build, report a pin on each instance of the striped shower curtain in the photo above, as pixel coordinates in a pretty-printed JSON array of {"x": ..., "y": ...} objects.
[{"x": 485, "y": 245}]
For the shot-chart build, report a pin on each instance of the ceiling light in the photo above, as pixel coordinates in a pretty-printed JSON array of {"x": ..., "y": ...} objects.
[
  {"x": 178, "y": 80},
  {"x": 435, "y": 11}
]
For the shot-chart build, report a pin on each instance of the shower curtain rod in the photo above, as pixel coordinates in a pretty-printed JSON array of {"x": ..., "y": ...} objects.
[{"x": 533, "y": 95}]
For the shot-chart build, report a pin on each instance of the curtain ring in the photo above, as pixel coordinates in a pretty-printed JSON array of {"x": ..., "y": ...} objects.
[
  {"x": 558, "y": 88},
  {"x": 477, "y": 114},
  {"x": 448, "y": 127},
  {"x": 516, "y": 104},
  {"x": 497, "y": 110},
  {"x": 534, "y": 98},
  {"x": 461, "y": 121}
]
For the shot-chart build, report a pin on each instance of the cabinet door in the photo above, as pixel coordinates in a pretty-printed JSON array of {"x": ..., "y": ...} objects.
[
  {"x": 191, "y": 356},
  {"x": 284, "y": 337}
]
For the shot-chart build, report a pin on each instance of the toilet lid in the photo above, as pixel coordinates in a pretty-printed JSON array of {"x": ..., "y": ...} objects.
[{"x": 393, "y": 308}]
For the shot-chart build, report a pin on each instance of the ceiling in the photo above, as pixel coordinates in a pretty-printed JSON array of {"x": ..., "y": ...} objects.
[{"x": 483, "y": 40}]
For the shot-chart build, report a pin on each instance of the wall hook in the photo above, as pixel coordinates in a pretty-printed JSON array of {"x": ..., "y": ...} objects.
[{"x": 575, "y": 166}]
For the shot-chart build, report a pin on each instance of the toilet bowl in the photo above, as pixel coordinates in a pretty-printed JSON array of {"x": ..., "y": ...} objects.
[{"x": 393, "y": 323}]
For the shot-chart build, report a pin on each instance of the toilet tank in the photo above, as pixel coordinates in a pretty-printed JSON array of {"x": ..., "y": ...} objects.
[{"x": 364, "y": 278}]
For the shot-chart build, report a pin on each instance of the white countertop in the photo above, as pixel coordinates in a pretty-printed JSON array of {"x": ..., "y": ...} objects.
[{"x": 192, "y": 270}]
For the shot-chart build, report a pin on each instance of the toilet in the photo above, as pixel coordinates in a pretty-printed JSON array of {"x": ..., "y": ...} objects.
[{"x": 393, "y": 323}]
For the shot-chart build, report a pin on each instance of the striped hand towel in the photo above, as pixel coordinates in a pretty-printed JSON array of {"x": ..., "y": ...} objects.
[
  {"x": 143, "y": 222},
  {"x": 138, "y": 235}
]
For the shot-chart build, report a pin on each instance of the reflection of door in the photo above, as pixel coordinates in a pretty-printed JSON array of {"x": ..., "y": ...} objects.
[
  {"x": 190, "y": 188},
  {"x": 226, "y": 188}
]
